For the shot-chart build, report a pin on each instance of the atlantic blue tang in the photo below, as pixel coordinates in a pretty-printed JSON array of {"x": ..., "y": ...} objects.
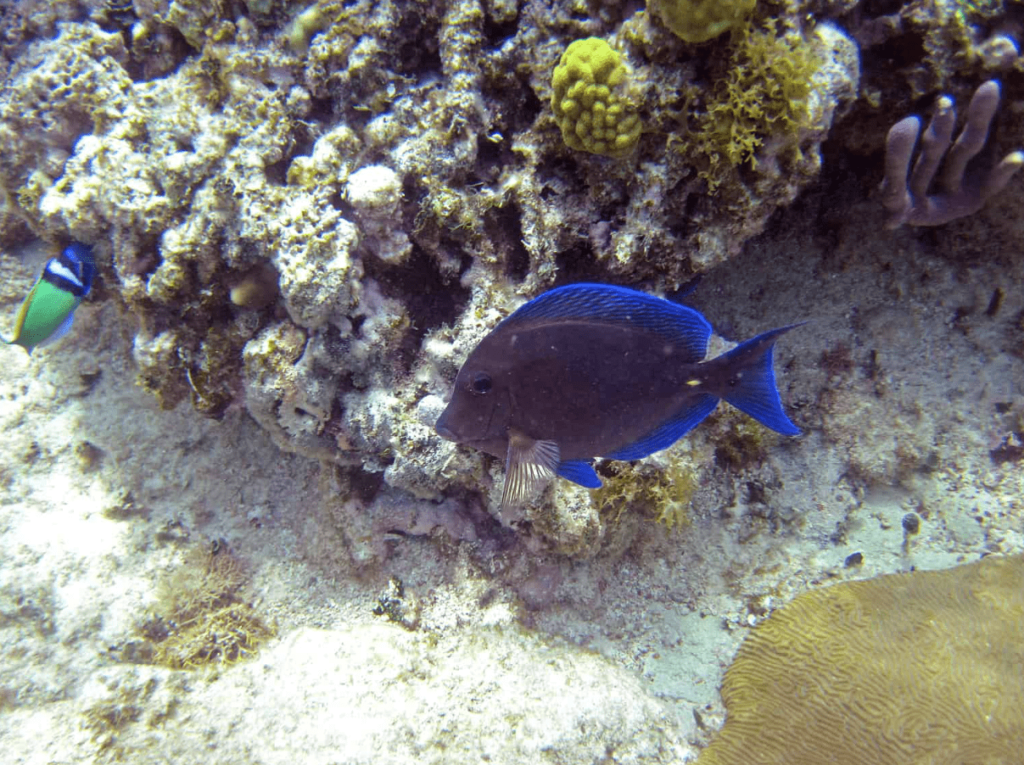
[
  {"x": 49, "y": 307},
  {"x": 594, "y": 370}
]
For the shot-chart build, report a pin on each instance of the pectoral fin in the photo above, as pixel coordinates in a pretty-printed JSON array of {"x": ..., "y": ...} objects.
[{"x": 528, "y": 465}]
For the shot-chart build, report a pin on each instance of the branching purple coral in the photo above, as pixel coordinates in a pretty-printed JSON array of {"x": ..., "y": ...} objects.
[{"x": 956, "y": 197}]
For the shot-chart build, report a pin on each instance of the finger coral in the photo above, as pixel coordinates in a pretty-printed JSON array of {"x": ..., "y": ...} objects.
[
  {"x": 588, "y": 101},
  {"x": 907, "y": 668},
  {"x": 959, "y": 194}
]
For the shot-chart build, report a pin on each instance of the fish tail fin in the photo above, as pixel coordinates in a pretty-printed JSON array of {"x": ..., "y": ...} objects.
[{"x": 751, "y": 384}]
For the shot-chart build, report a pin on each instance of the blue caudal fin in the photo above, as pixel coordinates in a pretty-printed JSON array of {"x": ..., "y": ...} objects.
[
  {"x": 752, "y": 387},
  {"x": 579, "y": 471}
]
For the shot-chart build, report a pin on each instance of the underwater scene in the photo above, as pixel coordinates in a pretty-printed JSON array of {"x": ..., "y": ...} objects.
[{"x": 582, "y": 382}]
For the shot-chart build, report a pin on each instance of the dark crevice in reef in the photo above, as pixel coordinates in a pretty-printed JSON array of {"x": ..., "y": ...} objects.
[
  {"x": 430, "y": 300},
  {"x": 1008, "y": 451},
  {"x": 179, "y": 49},
  {"x": 682, "y": 225},
  {"x": 873, "y": 8},
  {"x": 578, "y": 265},
  {"x": 558, "y": 172},
  {"x": 428, "y": 56},
  {"x": 322, "y": 112},
  {"x": 497, "y": 32},
  {"x": 303, "y": 138},
  {"x": 491, "y": 157},
  {"x": 415, "y": 41},
  {"x": 847, "y": 181},
  {"x": 1012, "y": 17},
  {"x": 894, "y": 54},
  {"x": 364, "y": 484},
  {"x": 504, "y": 228},
  {"x": 276, "y": 173},
  {"x": 520, "y": 106}
]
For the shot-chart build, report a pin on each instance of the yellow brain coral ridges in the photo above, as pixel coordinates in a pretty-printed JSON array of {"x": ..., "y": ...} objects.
[
  {"x": 589, "y": 102},
  {"x": 905, "y": 669}
]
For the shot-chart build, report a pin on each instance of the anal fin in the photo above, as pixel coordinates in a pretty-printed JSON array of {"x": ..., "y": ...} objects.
[
  {"x": 667, "y": 434},
  {"x": 579, "y": 472}
]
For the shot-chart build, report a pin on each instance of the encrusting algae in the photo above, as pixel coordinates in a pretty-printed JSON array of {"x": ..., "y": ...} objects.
[
  {"x": 205, "y": 617},
  {"x": 924, "y": 667}
]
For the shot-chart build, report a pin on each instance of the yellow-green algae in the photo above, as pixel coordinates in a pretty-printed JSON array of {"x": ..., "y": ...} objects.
[
  {"x": 924, "y": 667},
  {"x": 762, "y": 95},
  {"x": 663, "y": 494},
  {"x": 205, "y": 616},
  {"x": 697, "y": 21}
]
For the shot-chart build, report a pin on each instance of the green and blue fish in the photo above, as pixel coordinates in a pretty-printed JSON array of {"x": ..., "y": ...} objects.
[
  {"x": 49, "y": 308},
  {"x": 594, "y": 370}
]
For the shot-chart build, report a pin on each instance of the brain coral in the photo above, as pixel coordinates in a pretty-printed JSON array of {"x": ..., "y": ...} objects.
[
  {"x": 923, "y": 667},
  {"x": 588, "y": 103}
]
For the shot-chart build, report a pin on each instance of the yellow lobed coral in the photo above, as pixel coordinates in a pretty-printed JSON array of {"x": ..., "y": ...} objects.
[
  {"x": 924, "y": 667},
  {"x": 697, "y": 21},
  {"x": 588, "y": 100}
]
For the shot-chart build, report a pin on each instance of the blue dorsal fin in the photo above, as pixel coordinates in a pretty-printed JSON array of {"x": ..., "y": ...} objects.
[
  {"x": 667, "y": 434},
  {"x": 619, "y": 306},
  {"x": 755, "y": 392},
  {"x": 579, "y": 471}
]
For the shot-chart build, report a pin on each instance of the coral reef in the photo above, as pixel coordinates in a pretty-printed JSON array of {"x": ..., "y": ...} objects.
[
  {"x": 926, "y": 662},
  {"x": 940, "y": 43},
  {"x": 763, "y": 96},
  {"x": 305, "y": 213},
  {"x": 312, "y": 211},
  {"x": 661, "y": 488}
]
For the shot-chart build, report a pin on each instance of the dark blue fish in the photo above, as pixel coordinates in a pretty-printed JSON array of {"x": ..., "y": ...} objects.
[{"x": 591, "y": 370}]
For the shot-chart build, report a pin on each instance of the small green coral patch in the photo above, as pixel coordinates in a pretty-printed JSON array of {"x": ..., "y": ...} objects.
[
  {"x": 589, "y": 100},
  {"x": 744, "y": 443},
  {"x": 697, "y": 21}
]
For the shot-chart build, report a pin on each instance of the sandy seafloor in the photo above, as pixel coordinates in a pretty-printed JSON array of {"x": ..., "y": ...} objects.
[{"x": 516, "y": 656}]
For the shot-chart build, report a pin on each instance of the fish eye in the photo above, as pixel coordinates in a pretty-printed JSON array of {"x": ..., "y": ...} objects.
[{"x": 481, "y": 383}]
